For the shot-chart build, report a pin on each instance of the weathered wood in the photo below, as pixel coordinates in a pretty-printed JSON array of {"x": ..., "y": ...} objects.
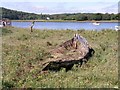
[
  {"x": 67, "y": 64},
  {"x": 74, "y": 51}
]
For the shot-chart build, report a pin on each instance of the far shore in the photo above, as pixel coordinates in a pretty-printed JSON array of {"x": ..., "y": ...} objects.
[{"x": 63, "y": 21}]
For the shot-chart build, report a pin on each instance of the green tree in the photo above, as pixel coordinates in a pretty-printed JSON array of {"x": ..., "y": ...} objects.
[
  {"x": 98, "y": 16},
  {"x": 106, "y": 16}
]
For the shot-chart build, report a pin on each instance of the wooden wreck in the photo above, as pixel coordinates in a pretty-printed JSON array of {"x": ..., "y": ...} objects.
[{"x": 74, "y": 51}]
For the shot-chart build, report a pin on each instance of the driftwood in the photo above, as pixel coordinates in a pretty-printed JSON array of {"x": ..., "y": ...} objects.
[{"x": 74, "y": 51}]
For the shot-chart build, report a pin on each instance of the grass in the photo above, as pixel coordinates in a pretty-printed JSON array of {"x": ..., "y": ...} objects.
[{"x": 23, "y": 52}]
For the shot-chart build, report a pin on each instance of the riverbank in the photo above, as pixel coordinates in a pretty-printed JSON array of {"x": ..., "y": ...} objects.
[
  {"x": 62, "y": 21},
  {"x": 23, "y": 52}
]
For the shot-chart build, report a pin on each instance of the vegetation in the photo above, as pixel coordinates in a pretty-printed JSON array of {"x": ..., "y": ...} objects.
[
  {"x": 19, "y": 15},
  {"x": 23, "y": 52}
]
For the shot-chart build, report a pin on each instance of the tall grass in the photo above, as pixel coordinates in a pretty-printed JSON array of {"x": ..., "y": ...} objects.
[{"x": 23, "y": 54}]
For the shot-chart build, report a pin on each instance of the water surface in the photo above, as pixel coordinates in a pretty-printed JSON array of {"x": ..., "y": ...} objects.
[{"x": 67, "y": 25}]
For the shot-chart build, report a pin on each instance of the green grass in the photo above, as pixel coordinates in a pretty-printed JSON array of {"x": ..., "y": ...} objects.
[{"x": 23, "y": 52}]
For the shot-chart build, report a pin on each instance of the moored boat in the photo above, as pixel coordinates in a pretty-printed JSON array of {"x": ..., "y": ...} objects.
[
  {"x": 117, "y": 28},
  {"x": 96, "y": 23}
]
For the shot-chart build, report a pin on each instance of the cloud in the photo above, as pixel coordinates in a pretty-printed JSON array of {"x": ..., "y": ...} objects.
[
  {"x": 59, "y": 0},
  {"x": 62, "y": 7},
  {"x": 111, "y": 9}
]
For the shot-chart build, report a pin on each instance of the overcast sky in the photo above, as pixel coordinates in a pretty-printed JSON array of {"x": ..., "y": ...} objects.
[{"x": 62, "y": 6}]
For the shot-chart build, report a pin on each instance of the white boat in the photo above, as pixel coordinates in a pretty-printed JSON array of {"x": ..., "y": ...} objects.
[
  {"x": 96, "y": 23},
  {"x": 1, "y": 25},
  {"x": 117, "y": 28}
]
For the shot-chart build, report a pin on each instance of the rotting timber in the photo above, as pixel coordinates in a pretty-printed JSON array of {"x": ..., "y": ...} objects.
[{"x": 74, "y": 51}]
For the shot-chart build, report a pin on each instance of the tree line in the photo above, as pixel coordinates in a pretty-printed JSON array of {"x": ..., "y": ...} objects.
[{"x": 19, "y": 15}]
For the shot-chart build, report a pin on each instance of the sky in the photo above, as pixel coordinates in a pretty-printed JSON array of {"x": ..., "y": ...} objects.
[{"x": 62, "y": 6}]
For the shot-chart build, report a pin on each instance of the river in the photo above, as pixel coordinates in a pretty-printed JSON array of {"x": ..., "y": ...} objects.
[{"x": 67, "y": 25}]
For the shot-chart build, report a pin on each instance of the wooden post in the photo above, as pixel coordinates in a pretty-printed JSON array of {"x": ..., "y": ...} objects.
[{"x": 32, "y": 26}]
